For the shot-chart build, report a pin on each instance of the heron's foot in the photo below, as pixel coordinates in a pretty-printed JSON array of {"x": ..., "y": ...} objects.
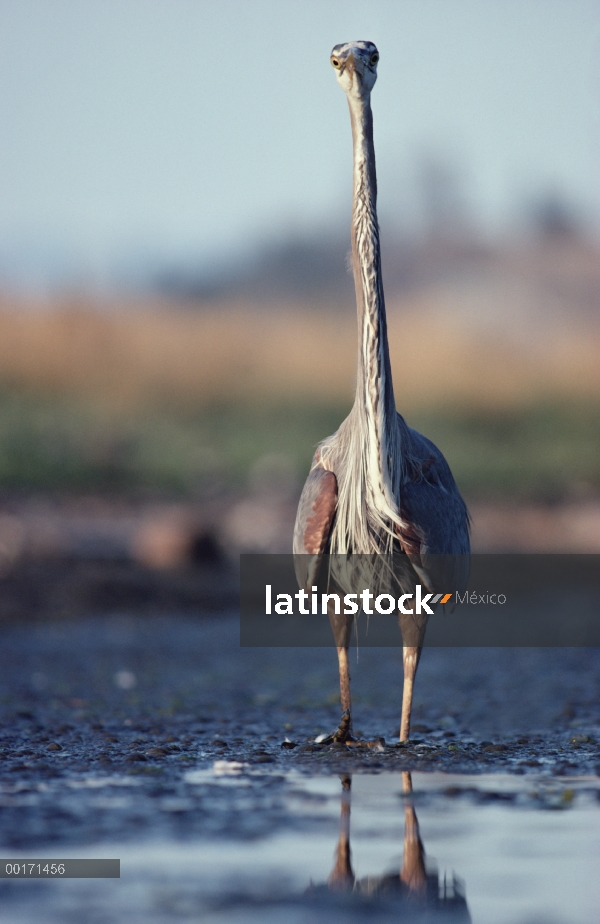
[
  {"x": 342, "y": 734},
  {"x": 344, "y": 730}
]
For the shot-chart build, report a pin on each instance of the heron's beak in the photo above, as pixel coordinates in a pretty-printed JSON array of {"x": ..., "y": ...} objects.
[{"x": 355, "y": 67}]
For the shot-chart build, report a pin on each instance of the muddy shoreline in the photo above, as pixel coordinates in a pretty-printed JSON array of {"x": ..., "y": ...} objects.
[{"x": 147, "y": 699}]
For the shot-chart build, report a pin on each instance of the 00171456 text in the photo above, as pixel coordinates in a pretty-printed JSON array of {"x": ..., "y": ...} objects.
[{"x": 34, "y": 869}]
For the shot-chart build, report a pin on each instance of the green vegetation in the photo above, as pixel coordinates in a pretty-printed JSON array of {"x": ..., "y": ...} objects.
[
  {"x": 545, "y": 452},
  {"x": 59, "y": 444}
]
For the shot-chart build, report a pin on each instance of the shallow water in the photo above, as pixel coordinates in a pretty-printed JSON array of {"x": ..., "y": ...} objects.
[
  {"x": 117, "y": 737},
  {"x": 491, "y": 849}
]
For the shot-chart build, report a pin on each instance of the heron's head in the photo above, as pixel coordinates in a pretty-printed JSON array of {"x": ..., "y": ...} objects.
[{"x": 355, "y": 64}]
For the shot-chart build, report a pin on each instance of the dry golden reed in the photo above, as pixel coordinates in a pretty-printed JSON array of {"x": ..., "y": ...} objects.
[{"x": 127, "y": 354}]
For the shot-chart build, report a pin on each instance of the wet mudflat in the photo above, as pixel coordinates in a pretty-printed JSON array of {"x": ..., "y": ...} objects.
[{"x": 157, "y": 740}]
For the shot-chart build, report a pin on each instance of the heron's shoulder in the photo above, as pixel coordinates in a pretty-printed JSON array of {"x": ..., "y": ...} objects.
[
  {"x": 422, "y": 447},
  {"x": 428, "y": 457}
]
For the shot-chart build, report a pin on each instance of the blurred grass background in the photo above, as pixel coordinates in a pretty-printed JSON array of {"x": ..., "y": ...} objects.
[
  {"x": 190, "y": 399},
  {"x": 545, "y": 452}
]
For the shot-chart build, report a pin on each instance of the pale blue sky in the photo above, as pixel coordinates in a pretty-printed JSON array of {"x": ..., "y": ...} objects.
[{"x": 175, "y": 129}]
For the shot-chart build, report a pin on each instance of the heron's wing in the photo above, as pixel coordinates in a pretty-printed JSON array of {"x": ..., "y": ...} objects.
[
  {"x": 436, "y": 534},
  {"x": 314, "y": 519},
  {"x": 436, "y": 537}
]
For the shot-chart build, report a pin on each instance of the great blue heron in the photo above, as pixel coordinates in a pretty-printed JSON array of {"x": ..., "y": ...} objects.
[{"x": 376, "y": 486}]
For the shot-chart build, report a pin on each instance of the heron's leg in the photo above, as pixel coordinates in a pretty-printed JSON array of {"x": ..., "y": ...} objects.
[
  {"x": 341, "y": 625},
  {"x": 410, "y": 658},
  {"x": 345, "y": 699}
]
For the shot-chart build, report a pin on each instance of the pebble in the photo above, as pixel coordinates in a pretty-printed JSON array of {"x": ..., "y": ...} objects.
[{"x": 578, "y": 740}]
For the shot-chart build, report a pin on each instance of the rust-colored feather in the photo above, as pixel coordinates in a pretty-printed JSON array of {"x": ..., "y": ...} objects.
[
  {"x": 316, "y": 513},
  {"x": 318, "y": 524},
  {"x": 409, "y": 535}
]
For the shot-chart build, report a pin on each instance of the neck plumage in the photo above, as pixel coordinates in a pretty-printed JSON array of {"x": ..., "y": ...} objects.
[
  {"x": 374, "y": 400},
  {"x": 368, "y": 454}
]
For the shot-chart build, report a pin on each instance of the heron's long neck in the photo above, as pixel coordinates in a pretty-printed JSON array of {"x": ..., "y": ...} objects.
[{"x": 374, "y": 390}]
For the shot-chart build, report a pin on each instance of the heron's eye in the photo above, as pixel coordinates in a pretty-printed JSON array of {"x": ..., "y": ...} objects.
[
  {"x": 335, "y": 62},
  {"x": 374, "y": 58}
]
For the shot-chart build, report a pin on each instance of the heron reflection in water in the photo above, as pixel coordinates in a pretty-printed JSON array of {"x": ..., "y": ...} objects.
[{"x": 413, "y": 889}]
